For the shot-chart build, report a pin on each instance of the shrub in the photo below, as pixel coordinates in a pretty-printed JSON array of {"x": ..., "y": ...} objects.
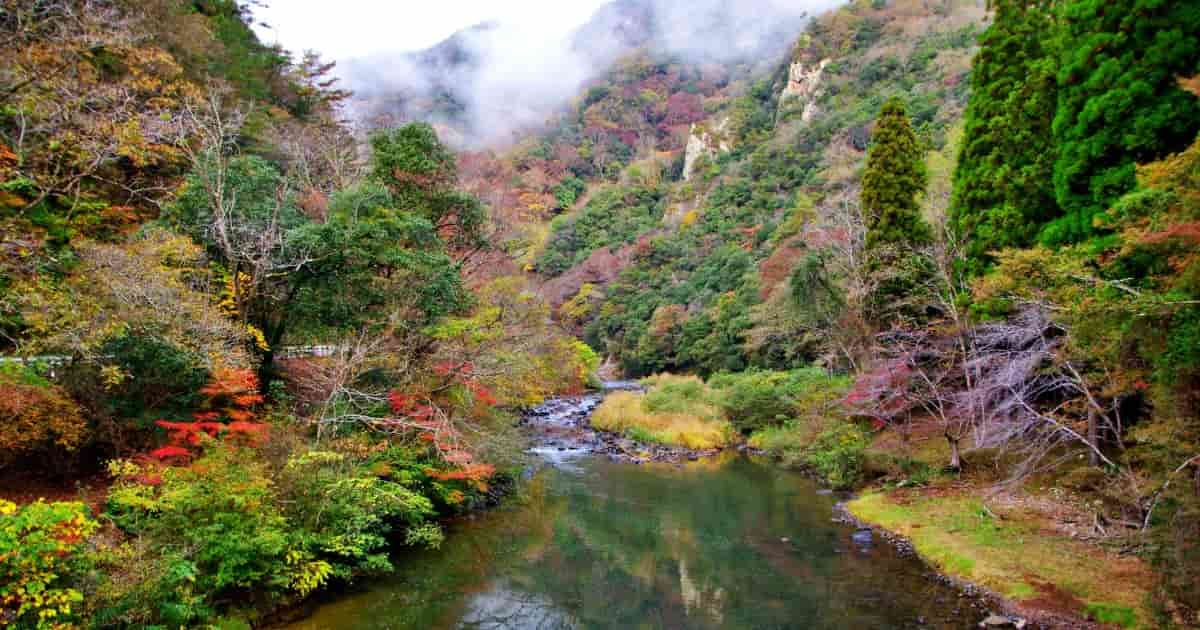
[
  {"x": 39, "y": 557},
  {"x": 36, "y": 418},
  {"x": 837, "y": 454},
  {"x": 344, "y": 514},
  {"x": 221, "y": 514},
  {"x": 145, "y": 373},
  {"x": 758, "y": 399}
]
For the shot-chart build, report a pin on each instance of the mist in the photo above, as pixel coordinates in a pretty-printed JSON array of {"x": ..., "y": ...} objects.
[{"x": 488, "y": 82}]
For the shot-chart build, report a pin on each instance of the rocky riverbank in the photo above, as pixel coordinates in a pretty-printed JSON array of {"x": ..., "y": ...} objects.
[{"x": 561, "y": 429}]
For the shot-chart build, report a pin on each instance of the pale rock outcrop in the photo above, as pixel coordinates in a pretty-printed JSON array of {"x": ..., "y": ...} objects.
[
  {"x": 803, "y": 85},
  {"x": 702, "y": 141}
]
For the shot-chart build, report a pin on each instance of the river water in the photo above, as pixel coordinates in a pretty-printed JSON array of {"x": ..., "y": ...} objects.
[{"x": 722, "y": 542}]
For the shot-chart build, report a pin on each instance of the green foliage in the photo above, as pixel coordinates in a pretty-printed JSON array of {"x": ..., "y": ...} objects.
[
  {"x": 343, "y": 516},
  {"x": 251, "y": 186},
  {"x": 814, "y": 290},
  {"x": 146, "y": 373},
  {"x": 40, "y": 560},
  {"x": 837, "y": 454},
  {"x": 568, "y": 190},
  {"x": 1120, "y": 102},
  {"x": 1003, "y": 183},
  {"x": 894, "y": 178},
  {"x": 612, "y": 218},
  {"x": 221, "y": 512},
  {"x": 756, "y": 399},
  {"x": 422, "y": 175},
  {"x": 380, "y": 249}
]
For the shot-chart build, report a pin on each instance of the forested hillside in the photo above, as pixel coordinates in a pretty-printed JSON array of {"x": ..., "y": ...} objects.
[
  {"x": 183, "y": 216},
  {"x": 978, "y": 217},
  {"x": 259, "y": 334}
]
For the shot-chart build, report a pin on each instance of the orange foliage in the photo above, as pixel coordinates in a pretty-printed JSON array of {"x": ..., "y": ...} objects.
[
  {"x": 232, "y": 396},
  {"x": 37, "y": 419}
]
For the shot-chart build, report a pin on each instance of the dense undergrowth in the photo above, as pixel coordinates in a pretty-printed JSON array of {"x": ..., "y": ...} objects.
[{"x": 183, "y": 217}]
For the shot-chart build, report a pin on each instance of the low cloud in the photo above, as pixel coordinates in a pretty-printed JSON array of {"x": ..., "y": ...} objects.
[{"x": 495, "y": 79}]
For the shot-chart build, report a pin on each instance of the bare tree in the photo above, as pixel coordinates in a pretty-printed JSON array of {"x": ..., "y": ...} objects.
[{"x": 257, "y": 249}]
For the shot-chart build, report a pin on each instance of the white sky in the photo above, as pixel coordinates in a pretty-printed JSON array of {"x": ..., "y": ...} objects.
[{"x": 345, "y": 29}]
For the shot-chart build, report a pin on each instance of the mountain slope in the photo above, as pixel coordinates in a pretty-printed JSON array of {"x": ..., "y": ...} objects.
[{"x": 771, "y": 160}]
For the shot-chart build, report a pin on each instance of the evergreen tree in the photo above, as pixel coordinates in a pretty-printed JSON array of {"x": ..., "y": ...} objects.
[
  {"x": 1003, "y": 184},
  {"x": 894, "y": 178},
  {"x": 1119, "y": 100}
]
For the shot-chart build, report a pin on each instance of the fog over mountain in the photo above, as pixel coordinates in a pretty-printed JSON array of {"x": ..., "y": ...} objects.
[{"x": 488, "y": 81}]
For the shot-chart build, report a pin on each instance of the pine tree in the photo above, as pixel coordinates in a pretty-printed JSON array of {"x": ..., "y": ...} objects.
[
  {"x": 1003, "y": 184},
  {"x": 1119, "y": 100},
  {"x": 894, "y": 178}
]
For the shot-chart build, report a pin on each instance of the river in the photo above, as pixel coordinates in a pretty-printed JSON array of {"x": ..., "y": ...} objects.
[{"x": 722, "y": 542}]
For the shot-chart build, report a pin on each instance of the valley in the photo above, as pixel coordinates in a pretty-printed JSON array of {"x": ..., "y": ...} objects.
[{"x": 666, "y": 314}]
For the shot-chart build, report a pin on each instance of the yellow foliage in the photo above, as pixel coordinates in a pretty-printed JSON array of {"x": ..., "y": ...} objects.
[
  {"x": 579, "y": 307},
  {"x": 623, "y": 412},
  {"x": 35, "y": 419}
]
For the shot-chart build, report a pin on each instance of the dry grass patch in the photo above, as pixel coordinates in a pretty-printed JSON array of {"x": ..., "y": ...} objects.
[{"x": 676, "y": 411}]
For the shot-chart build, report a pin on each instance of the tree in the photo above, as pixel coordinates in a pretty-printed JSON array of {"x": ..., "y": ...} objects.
[
  {"x": 894, "y": 178},
  {"x": 422, "y": 175},
  {"x": 1003, "y": 184},
  {"x": 1119, "y": 102},
  {"x": 378, "y": 255}
]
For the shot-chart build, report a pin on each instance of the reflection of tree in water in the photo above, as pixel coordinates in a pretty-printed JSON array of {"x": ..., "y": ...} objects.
[
  {"x": 652, "y": 546},
  {"x": 623, "y": 546}
]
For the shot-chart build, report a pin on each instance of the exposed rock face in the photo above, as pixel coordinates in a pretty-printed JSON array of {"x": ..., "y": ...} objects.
[
  {"x": 704, "y": 142},
  {"x": 802, "y": 86}
]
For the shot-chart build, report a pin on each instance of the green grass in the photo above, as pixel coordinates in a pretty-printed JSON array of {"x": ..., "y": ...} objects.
[
  {"x": 1123, "y": 616},
  {"x": 1013, "y": 557}
]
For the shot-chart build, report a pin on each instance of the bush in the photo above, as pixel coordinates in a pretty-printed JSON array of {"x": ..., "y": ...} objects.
[
  {"x": 758, "y": 399},
  {"x": 343, "y": 516},
  {"x": 837, "y": 454},
  {"x": 148, "y": 373},
  {"x": 755, "y": 399},
  {"x": 220, "y": 515},
  {"x": 678, "y": 394},
  {"x": 36, "y": 418},
  {"x": 40, "y": 556}
]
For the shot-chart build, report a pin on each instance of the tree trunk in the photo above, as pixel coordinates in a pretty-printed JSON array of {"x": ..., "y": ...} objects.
[
  {"x": 955, "y": 455},
  {"x": 1093, "y": 437}
]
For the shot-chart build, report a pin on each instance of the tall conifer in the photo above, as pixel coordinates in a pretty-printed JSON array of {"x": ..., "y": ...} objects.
[
  {"x": 1003, "y": 184},
  {"x": 1119, "y": 100},
  {"x": 894, "y": 179}
]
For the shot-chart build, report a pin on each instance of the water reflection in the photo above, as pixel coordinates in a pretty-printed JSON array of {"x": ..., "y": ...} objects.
[{"x": 721, "y": 543}]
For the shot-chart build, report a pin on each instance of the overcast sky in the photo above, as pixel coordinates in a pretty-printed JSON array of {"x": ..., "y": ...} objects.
[{"x": 345, "y": 29}]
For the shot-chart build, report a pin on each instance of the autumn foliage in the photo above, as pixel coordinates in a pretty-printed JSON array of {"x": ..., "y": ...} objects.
[
  {"x": 231, "y": 401},
  {"x": 37, "y": 419}
]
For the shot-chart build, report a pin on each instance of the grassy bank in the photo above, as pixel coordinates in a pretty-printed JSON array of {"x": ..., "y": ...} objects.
[{"x": 1015, "y": 552}]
